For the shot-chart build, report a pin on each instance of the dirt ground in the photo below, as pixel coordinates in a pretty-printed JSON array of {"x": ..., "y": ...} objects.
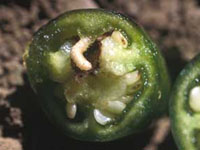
[{"x": 172, "y": 24}]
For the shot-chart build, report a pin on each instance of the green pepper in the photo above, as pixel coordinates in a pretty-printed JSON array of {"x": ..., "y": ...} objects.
[
  {"x": 99, "y": 75},
  {"x": 185, "y": 107}
]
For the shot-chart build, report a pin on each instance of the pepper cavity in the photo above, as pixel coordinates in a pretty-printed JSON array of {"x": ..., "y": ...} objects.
[{"x": 109, "y": 92}]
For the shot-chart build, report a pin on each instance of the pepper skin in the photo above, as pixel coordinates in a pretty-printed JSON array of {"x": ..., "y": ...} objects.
[
  {"x": 99, "y": 75},
  {"x": 185, "y": 107}
]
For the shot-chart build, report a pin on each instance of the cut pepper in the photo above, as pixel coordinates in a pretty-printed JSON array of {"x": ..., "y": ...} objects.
[
  {"x": 99, "y": 75},
  {"x": 185, "y": 107}
]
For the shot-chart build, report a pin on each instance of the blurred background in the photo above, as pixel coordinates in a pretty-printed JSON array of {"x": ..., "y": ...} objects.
[{"x": 172, "y": 24}]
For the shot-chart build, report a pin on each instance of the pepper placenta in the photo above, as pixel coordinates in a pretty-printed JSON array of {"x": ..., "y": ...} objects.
[
  {"x": 185, "y": 107},
  {"x": 99, "y": 75}
]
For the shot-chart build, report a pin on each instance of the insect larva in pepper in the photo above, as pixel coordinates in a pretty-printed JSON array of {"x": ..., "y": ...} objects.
[{"x": 100, "y": 77}]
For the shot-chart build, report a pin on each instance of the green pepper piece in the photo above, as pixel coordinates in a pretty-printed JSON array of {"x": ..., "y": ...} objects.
[
  {"x": 185, "y": 107},
  {"x": 99, "y": 75}
]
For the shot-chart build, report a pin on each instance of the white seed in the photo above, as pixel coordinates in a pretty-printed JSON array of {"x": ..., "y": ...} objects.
[
  {"x": 119, "y": 38},
  {"x": 159, "y": 94},
  {"x": 71, "y": 110},
  {"x": 100, "y": 118},
  {"x": 194, "y": 99},
  {"x": 115, "y": 107},
  {"x": 132, "y": 78},
  {"x": 126, "y": 99},
  {"x": 77, "y": 54}
]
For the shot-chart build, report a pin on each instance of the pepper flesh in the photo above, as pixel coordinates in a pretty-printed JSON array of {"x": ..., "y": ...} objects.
[
  {"x": 128, "y": 75},
  {"x": 185, "y": 117}
]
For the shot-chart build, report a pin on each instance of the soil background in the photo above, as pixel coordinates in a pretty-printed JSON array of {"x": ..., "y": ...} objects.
[{"x": 172, "y": 24}]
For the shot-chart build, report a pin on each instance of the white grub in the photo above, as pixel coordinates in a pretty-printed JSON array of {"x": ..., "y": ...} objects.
[
  {"x": 77, "y": 54},
  {"x": 100, "y": 118},
  {"x": 115, "y": 107},
  {"x": 71, "y": 110},
  {"x": 132, "y": 77},
  {"x": 119, "y": 38},
  {"x": 194, "y": 99}
]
